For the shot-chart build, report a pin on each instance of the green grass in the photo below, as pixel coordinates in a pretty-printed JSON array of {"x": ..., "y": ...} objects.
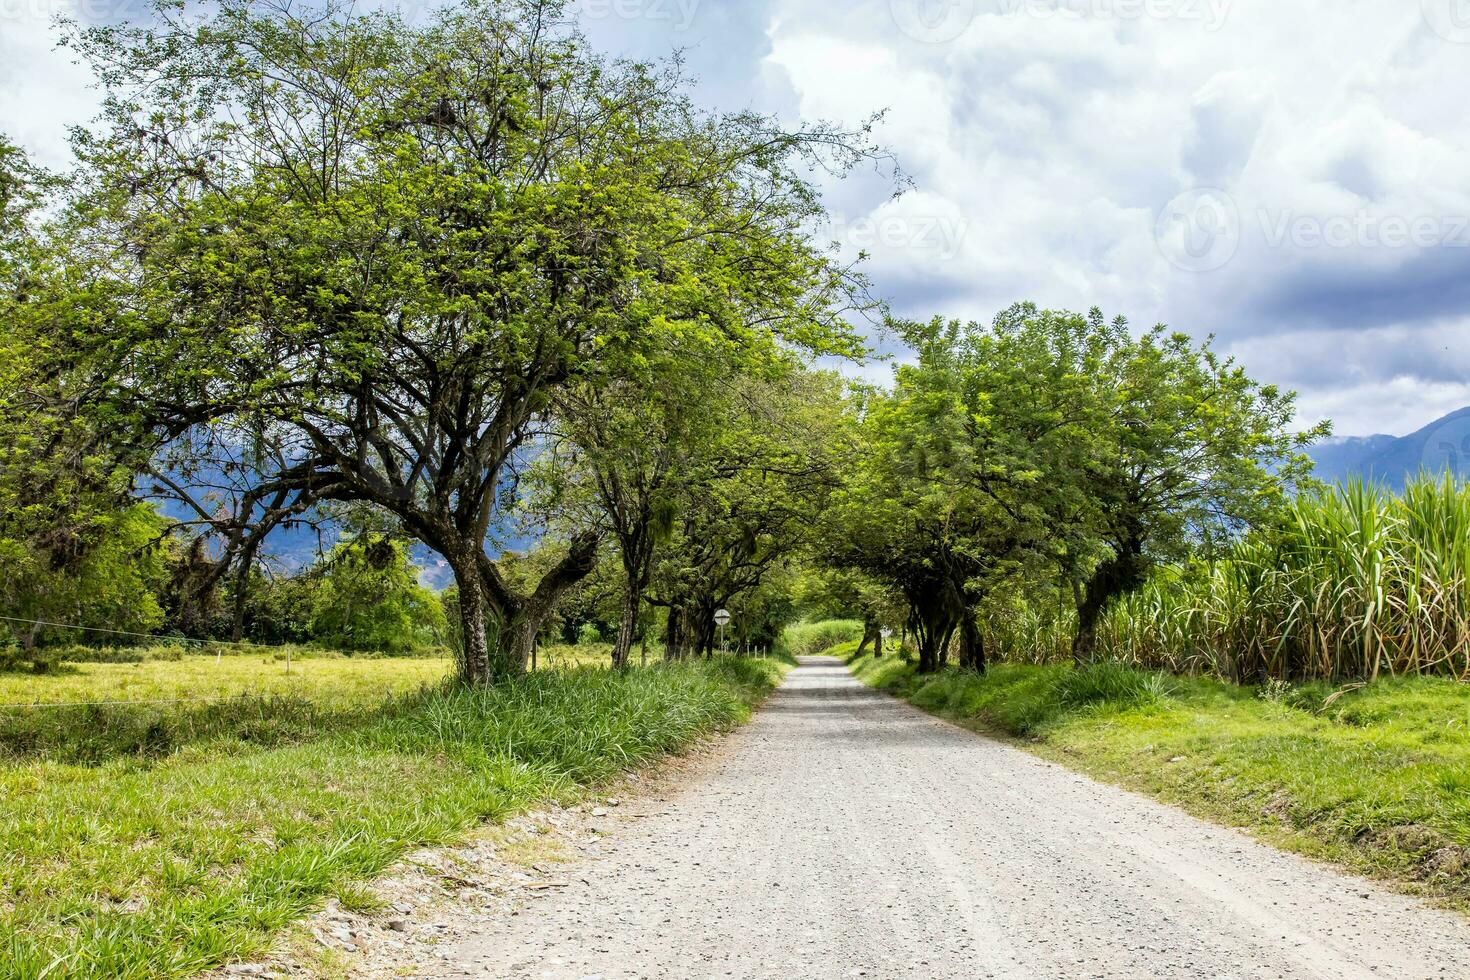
[
  {"x": 810, "y": 639},
  {"x": 1376, "y": 778},
  {"x": 336, "y": 680},
  {"x": 163, "y": 864},
  {"x": 176, "y": 702}
]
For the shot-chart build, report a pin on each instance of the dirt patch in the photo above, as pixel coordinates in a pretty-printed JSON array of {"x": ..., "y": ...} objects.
[
  {"x": 1451, "y": 862},
  {"x": 1432, "y": 853},
  {"x": 1414, "y": 839},
  {"x": 1278, "y": 808},
  {"x": 405, "y": 922}
]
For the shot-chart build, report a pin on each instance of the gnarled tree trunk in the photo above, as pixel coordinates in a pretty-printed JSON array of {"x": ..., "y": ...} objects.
[
  {"x": 636, "y": 546},
  {"x": 935, "y": 609},
  {"x": 972, "y": 645},
  {"x": 627, "y": 626},
  {"x": 1120, "y": 574},
  {"x": 517, "y": 619}
]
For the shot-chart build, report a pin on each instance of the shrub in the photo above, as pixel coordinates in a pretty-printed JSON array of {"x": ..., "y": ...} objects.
[
  {"x": 370, "y": 599},
  {"x": 1110, "y": 683},
  {"x": 809, "y": 639}
]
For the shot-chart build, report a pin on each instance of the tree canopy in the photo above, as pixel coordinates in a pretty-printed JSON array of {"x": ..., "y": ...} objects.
[
  {"x": 467, "y": 284},
  {"x": 1055, "y": 445},
  {"x": 367, "y": 256}
]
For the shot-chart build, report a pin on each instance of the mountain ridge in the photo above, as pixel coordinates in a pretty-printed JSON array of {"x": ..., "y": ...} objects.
[{"x": 1391, "y": 461}]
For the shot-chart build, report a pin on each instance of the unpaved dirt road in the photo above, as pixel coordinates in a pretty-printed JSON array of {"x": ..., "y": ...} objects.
[{"x": 845, "y": 834}]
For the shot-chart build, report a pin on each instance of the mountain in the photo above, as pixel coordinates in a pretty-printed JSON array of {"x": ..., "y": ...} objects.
[{"x": 1392, "y": 460}]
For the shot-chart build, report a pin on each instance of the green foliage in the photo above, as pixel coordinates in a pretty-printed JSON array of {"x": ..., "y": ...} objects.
[
  {"x": 370, "y": 599},
  {"x": 1355, "y": 583},
  {"x": 1050, "y": 447},
  {"x": 819, "y": 593},
  {"x": 73, "y": 547},
  {"x": 1022, "y": 700},
  {"x": 680, "y": 441},
  {"x": 1109, "y": 683},
  {"x": 1131, "y": 450},
  {"x": 280, "y": 609},
  {"x": 754, "y": 510},
  {"x": 810, "y": 639},
  {"x": 378, "y": 253},
  {"x": 23, "y": 190},
  {"x": 1358, "y": 583},
  {"x": 109, "y": 577}
]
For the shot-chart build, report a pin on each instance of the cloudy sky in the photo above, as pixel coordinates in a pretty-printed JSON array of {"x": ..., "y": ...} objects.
[{"x": 1292, "y": 177}]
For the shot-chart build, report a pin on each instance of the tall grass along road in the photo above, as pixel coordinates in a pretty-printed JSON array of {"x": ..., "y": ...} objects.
[
  {"x": 843, "y": 833},
  {"x": 147, "y": 841}
]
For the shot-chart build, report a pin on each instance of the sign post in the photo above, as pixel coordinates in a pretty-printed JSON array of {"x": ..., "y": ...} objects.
[{"x": 722, "y": 619}]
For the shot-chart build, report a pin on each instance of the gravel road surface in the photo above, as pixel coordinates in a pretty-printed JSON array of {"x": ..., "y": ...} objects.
[{"x": 845, "y": 834}]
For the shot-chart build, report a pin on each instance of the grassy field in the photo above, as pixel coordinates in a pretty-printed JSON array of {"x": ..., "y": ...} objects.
[
  {"x": 1374, "y": 777},
  {"x": 92, "y": 712},
  {"x": 327, "y": 680},
  {"x": 807, "y": 639},
  {"x": 130, "y": 854}
]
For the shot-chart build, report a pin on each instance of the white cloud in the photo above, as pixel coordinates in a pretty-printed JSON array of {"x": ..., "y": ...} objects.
[
  {"x": 1059, "y": 137},
  {"x": 42, "y": 90}
]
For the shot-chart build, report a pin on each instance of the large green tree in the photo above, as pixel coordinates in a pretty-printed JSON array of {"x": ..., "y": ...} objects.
[
  {"x": 368, "y": 254},
  {"x": 635, "y": 446},
  {"x": 74, "y": 549},
  {"x": 107, "y": 586},
  {"x": 369, "y": 598},
  {"x": 1050, "y": 443},
  {"x": 917, "y": 511},
  {"x": 1129, "y": 449}
]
